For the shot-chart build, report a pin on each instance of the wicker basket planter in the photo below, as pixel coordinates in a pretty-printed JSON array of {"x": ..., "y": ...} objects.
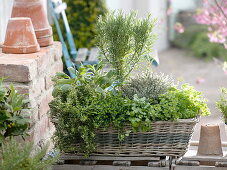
[{"x": 166, "y": 138}]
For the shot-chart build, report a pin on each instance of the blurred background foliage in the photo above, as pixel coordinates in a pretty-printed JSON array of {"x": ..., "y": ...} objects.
[
  {"x": 195, "y": 40},
  {"x": 82, "y": 17}
]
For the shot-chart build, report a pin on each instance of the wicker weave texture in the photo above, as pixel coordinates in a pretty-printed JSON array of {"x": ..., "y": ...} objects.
[{"x": 166, "y": 138}]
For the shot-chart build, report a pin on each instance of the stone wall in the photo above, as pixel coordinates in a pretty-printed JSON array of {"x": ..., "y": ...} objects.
[{"x": 31, "y": 74}]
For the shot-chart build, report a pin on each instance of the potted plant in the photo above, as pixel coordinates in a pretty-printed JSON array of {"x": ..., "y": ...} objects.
[{"x": 109, "y": 113}]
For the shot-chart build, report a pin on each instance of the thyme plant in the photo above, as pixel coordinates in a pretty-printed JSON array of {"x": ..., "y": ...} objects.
[
  {"x": 124, "y": 40},
  {"x": 150, "y": 85}
]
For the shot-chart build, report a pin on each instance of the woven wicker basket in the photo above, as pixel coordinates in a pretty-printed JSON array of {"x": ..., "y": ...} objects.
[{"x": 166, "y": 138}]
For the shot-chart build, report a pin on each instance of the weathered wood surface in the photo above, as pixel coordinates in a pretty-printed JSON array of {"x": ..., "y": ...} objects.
[
  {"x": 197, "y": 168},
  {"x": 112, "y": 158},
  {"x": 191, "y": 155},
  {"x": 107, "y": 167},
  {"x": 82, "y": 54},
  {"x": 94, "y": 53}
]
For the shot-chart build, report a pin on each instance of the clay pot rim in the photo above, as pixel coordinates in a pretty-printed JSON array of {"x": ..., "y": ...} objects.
[
  {"x": 42, "y": 33},
  {"x": 47, "y": 41},
  {"x": 27, "y": 3},
  {"x": 19, "y": 18},
  {"x": 20, "y": 49},
  {"x": 43, "y": 37}
]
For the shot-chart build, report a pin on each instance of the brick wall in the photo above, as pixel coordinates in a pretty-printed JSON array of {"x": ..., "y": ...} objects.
[{"x": 31, "y": 74}]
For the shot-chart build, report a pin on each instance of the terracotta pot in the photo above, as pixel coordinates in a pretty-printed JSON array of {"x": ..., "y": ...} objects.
[
  {"x": 20, "y": 37},
  {"x": 210, "y": 141},
  {"x": 34, "y": 9},
  {"x": 45, "y": 41}
]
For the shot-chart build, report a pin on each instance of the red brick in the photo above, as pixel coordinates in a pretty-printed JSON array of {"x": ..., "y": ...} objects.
[
  {"x": 18, "y": 68},
  {"x": 58, "y": 52},
  {"x": 41, "y": 129},
  {"x": 43, "y": 105},
  {"x": 58, "y": 67}
]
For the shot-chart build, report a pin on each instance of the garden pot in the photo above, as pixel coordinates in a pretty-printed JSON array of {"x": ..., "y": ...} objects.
[
  {"x": 45, "y": 41},
  {"x": 34, "y": 9},
  {"x": 210, "y": 141},
  {"x": 20, "y": 37}
]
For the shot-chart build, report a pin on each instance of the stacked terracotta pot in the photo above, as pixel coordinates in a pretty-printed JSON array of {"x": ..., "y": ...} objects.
[{"x": 28, "y": 29}]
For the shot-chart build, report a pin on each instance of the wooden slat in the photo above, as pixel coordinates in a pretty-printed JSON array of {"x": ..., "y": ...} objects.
[
  {"x": 107, "y": 167},
  {"x": 82, "y": 54},
  {"x": 111, "y": 158},
  {"x": 198, "y": 168},
  {"x": 94, "y": 53},
  {"x": 161, "y": 163},
  {"x": 122, "y": 163}
]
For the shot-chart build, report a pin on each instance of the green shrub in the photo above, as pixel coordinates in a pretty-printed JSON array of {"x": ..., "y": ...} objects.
[
  {"x": 13, "y": 109},
  {"x": 82, "y": 16},
  {"x": 22, "y": 157},
  {"x": 196, "y": 41},
  {"x": 149, "y": 85},
  {"x": 222, "y": 103}
]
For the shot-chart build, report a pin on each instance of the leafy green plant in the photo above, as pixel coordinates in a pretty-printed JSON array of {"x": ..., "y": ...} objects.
[
  {"x": 124, "y": 40},
  {"x": 82, "y": 17},
  {"x": 222, "y": 103},
  {"x": 149, "y": 85},
  {"x": 181, "y": 103},
  {"x": 96, "y": 99},
  {"x": 21, "y": 156},
  {"x": 175, "y": 104},
  {"x": 13, "y": 108},
  {"x": 87, "y": 101}
]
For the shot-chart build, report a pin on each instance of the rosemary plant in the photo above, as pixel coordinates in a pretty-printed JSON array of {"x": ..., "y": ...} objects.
[{"x": 124, "y": 40}]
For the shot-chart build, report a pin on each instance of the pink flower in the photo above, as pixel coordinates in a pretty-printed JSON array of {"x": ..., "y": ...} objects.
[
  {"x": 169, "y": 11},
  {"x": 212, "y": 16},
  {"x": 200, "y": 80},
  {"x": 179, "y": 27}
]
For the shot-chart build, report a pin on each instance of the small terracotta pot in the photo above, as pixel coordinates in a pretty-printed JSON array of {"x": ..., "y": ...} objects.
[
  {"x": 34, "y": 9},
  {"x": 210, "y": 141},
  {"x": 20, "y": 37}
]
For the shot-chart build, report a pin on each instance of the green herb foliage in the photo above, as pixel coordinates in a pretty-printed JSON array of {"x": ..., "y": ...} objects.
[
  {"x": 181, "y": 103},
  {"x": 175, "y": 104},
  {"x": 149, "y": 85},
  {"x": 13, "y": 109},
  {"x": 21, "y": 156},
  {"x": 222, "y": 103},
  {"x": 84, "y": 104},
  {"x": 96, "y": 99},
  {"x": 196, "y": 41},
  {"x": 124, "y": 40}
]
